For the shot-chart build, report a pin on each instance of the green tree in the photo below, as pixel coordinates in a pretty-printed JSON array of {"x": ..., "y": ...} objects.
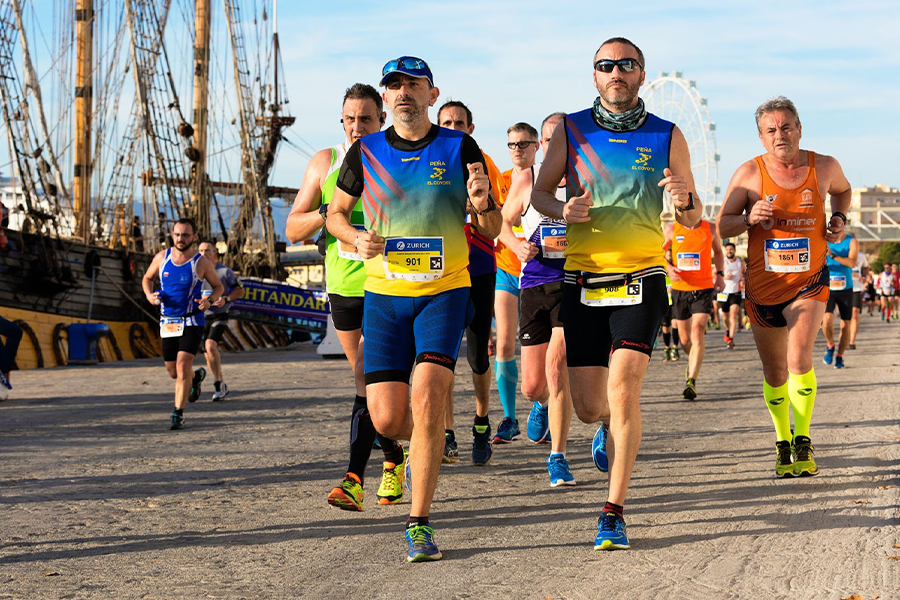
[{"x": 889, "y": 253}]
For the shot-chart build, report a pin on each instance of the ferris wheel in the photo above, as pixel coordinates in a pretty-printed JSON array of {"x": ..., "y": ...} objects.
[{"x": 676, "y": 99}]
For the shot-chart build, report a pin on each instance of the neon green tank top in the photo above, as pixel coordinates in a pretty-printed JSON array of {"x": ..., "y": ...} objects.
[{"x": 345, "y": 272}]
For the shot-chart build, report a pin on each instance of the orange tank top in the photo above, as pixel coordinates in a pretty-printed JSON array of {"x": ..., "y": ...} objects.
[
  {"x": 506, "y": 258},
  {"x": 692, "y": 255},
  {"x": 786, "y": 253}
]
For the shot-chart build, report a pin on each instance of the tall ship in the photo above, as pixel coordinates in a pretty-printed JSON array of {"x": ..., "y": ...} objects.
[{"x": 120, "y": 118}]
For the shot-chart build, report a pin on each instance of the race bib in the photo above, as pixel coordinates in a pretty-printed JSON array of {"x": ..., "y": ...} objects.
[
  {"x": 349, "y": 252},
  {"x": 170, "y": 327},
  {"x": 722, "y": 297},
  {"x": 837, "y": 282},
  {"x": 787, "y": 256},
  {"x": 414, "y": 259},
  {"x": 615, "y": 294},
  {"x": 688, "y": 261},
  {"x": 553, "y": 241}
]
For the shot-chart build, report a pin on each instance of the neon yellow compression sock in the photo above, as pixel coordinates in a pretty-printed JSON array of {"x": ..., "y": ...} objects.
[
  {"x": 802, "y": 390},
  {"x": 780, "y": 408}
]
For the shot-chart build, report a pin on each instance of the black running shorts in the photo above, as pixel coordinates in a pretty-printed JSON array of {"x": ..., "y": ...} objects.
[
  {"x": 539, "y": 308},
  {"x": 188, "y": 341},
  {"x": 214, "y": 329},
  {"x": 695, "y": 302},
  {"x": 843, "y": 299},
  {"x": 478, "y": 333},
  {"x": 346, "y": 312}
]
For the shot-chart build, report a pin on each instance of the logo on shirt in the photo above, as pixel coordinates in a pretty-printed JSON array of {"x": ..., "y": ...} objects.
[
  {"x": 641, "y": 161},
  {"x": 806, "y": 198},
  {"x": 439, "y": 167},
  {"x": 771, "y": 198}
]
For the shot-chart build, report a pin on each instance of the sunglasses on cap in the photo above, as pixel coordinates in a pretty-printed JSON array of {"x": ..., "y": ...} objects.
[
  {"x": 408, "y": 65},
  {"x": 520, "y": 145},
  {"x": 626, "y": 65}
]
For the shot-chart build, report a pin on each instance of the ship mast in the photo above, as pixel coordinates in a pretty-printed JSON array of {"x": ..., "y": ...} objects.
[
  {"x": 200, "y": 193},
  {"x": 84, "y": 94}
]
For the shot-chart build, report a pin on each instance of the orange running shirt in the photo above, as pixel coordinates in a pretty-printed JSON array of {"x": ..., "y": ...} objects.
[
  {"x": 506, "y": 258},
  {"x": 692, "y": 255},
  {"x": 786, "y": 253}
]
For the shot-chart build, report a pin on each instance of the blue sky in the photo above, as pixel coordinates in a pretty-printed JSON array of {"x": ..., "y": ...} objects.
[{"x": 514, "y": 61}]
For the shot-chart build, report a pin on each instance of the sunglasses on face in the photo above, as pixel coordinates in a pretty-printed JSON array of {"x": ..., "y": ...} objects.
[
  {"x": 519, "y": 145},
  {"x": 413, "y": 64},
  {"x": 626, "y": 65}
]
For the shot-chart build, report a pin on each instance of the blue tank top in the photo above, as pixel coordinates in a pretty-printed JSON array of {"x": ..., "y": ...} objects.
[
  {"x": 841, "y": 277},
  {"x": 179, "y": 288}
]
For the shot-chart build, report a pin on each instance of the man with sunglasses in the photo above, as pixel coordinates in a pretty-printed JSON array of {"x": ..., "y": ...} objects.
[
  {"x": 361, "y": 114},
  {"x": 417, "y": 181},
  {"x": 617, "y": 160}
]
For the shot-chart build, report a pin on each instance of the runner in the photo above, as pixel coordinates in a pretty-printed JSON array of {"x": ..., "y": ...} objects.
[
  {"x": 616, "y": 158},
  {"x": 779, "y": 198},
  {"x": 860, "y": 275},
  {"x": 545, "y": 379},
  {"x": 841, "y": 258},
  {"x": 895, "y": 297},
  {"x": 217, "y": 319},
  {"x": 482, "y": 272},
  {"x": 522, "y": 141},
  {"x": 417, "y": 181},
  {"x": 869, "y": 294},
  {"x": 885, "y": 289},
  {"x": 730, "y": 297},
  {"x": 181, "y": 270},
  {"x": 669, "y": 333},
  {"x": 694, "y": 289},
  {"x": 361, "y": 114}
]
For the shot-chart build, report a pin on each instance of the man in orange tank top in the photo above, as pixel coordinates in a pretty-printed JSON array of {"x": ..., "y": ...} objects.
[
  {"x": 779, "y": 199},
  {"x": 692, "y": 294}
]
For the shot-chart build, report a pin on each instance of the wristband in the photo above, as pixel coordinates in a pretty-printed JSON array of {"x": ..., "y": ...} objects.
[
  {"x": 747, "y": 221},
  {"x": 722, "y": 273},
  {"x": 838, "y": 213},
  {"x": 323, "y": 212},
  {"x": 491, "y": 207},
  {"x": 690, "y": 205}
]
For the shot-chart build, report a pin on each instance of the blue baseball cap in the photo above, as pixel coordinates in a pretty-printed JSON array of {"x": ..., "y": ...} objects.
[{"x": 408, "y": 65}]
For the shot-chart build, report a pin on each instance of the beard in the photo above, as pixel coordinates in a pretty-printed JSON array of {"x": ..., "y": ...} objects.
[
  {"x": 619, "y": 97},
  {"x": 410, "y": 113}
]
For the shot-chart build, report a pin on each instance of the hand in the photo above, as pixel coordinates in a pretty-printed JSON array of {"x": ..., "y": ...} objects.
[
  {"x": 220, "y": 302},
  {"x": 202, "y": 303},
  {"x": 729, "y": 275},
  {"x": 762, "y": 211},
  {"x": 154, "y": 298},
  {"x": 677, "y": 188},
  {"x": 720, "y": 283},
  {"x": 477, "y": 186},
  {"x": 369, "y": 244},
  {"x": 834, "y": 229},
  {"x": 577, "y": 209},
  {"x": 525, "y": 251}
]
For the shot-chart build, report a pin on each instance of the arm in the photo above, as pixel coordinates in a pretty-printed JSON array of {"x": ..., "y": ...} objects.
[
  {"x": 718, "y": 258},
  {"x": 207, "y": 271},
  {"x": 553, "y": 169},
  {"x": 679, "y": 182},
  {"x": 840, "y": 191},
  {"x": 519, "y": 191},
  {"x": 150, "y": 277},
  {"x": 304, "y": 221},
  {"x": 237, "y": 290},
  {"x": 740, "y": 199},
  {"x": 478, "y": 186},
  {"x": 850, "y": 259},
  {"x": 350, "y": 187}
]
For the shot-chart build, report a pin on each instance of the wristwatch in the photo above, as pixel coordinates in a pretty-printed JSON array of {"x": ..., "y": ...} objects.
[
  {"x": 747, "y": 220},
  {"x": 720, "y": 273},
  {"x": 323, "y": 211}
]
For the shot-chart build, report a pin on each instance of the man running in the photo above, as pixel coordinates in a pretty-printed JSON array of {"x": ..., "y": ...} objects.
[
  {"x": 885, "y": 288},
  {"x": 731, "y": 299},
  {"x": 182, "y": 271},
  {"x": 362, "y": 113},
  {"x": 417, "y": 182},
  {"x": 841, "y": 257},
  {"x": 860, "y": 275},
  {"x": 482, "y": 272},
  {"x": 779, "y": 198},
  {"x": 217, "y": 320},
  {"x": 617, "y": 159},
  {"x": 522, "y": 141},
  {"x": 545, "y": 379},
  {"x": 693, "y": 290}
]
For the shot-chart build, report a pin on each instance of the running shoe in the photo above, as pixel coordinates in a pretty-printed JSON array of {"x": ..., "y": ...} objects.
[
  {"x": 407, "y": 475},
  {"x": 558, "y": 467},
  {"x": 421, "y": 544},
  {"x": 507, "y": 431},
  {"x": 481, "y": 445},
  {"x": 598, "y": 448},
  {"x": 611, "y": 533},
  {"x": 667, "y": 355},
  {"x": 784, "y": 463},
  {"x": 838, "y": 361},
  {"x": 391, "y": 489},
  {"x": 199, "y": 376},
  {"x": 675, "y": 356},
  {"x": 451, "y": 451},
  {"x": 348, "y": 495},
  {"x": 804, "y": 457},
  {"x": 729, "y": 342},
  {"x": 4, "y": 381},
  {"x": 850, "y": 347},
  {"x": 829, "y": 355},
  {"x": 538, "y": 428},
  {"x": 690, "y": 389},
  {"x": 376, "y": 445},
  {"x": 177, "y": 421},
  {"x": 221, "y": 392}
]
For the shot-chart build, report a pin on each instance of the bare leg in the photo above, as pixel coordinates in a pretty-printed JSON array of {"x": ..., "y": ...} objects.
[
  {"x": 560, "y": 401},
  {"x": 184, "y": 368}
]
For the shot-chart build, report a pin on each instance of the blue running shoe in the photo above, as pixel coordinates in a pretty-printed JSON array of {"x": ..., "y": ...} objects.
[
  {"x": 598, "y": 448},
  {"x": 611, "y": 533},
  {"x": 481, "y": 445},
  {"x": 829, "y": 355},
  {"x": 538, "y": 428},
  {"x": 421, "y": 544},
  {"x": 408, "y": 475},
  {"x": 838, "y": 362},
  {"x": 558, "y": 467},
  {"x": 507, "y": 431}
]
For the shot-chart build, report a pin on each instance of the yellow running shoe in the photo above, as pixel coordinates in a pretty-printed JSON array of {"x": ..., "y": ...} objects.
[
  {"x": 348, "y": 495},
  {"x": 804, "y": 457},
  {"x": 391, "y": 489},
  {"x": 784, "y": 465}
]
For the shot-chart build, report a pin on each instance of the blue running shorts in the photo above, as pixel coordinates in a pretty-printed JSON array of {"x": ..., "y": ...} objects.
[{"x": 507, "y": 282}]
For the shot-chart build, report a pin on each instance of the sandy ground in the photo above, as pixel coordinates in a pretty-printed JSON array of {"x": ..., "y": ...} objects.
[{"x": 100, "y": 500}]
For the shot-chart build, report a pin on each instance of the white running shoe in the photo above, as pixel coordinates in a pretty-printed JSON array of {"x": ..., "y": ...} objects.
[{"x": 220, "y": 393}]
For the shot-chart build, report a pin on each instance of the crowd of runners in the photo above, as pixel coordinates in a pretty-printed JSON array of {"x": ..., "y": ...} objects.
[{"x": 426, "y": 241}]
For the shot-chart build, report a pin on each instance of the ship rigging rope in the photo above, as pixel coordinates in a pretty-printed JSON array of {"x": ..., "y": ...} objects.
[{"x": 124, "y": 293}]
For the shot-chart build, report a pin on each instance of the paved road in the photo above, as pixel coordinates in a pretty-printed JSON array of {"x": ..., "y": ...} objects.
[{"x": 100, "y": 500}]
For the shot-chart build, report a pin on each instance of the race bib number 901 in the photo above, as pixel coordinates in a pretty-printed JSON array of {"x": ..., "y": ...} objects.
[
  {"x": 787, "y": 255},
  {"x": 414, "y": 259}
]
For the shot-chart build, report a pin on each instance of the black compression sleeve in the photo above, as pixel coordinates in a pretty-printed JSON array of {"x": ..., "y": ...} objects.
[{"x": 350, "y": 177}]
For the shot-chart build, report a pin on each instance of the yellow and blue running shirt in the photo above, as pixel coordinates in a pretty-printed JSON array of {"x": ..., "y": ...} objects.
[
  {"x": 414, "y": 195},
  {"x": 622, "y": 170}
]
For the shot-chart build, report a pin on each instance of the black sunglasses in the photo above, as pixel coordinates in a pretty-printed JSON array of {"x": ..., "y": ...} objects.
[
  {"x": 626, "y": 65},
  {"x": 519, "y": 145}
]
